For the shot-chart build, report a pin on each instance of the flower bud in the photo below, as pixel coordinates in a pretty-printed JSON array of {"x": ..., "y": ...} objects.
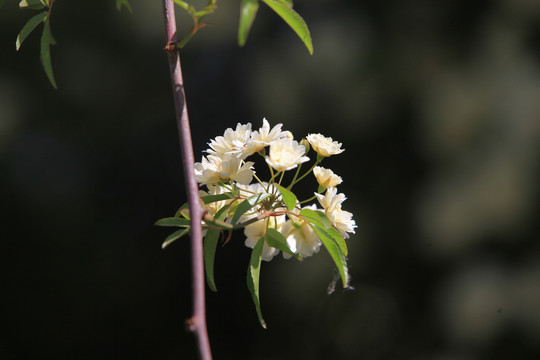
[{"x": 305, "y": 144}]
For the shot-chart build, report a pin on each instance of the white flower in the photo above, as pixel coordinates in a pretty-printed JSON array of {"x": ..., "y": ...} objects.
[
  {"x": 342, "y": 220},
  {"x": 326, "y": 177},
  {"x": 232, "y": 142},
  {"x": 286, "y": 154},
  {"x": 301, "y": 238},
  {"x": 257, "y": 230},
  {"x": 331, "y": 200},
  {"x": 214, "y": 169},
  {"x": 324, "y": 146},
  {"x": 264, "y": 137}
]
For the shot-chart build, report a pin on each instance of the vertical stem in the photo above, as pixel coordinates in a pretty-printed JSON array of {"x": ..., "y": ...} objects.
[{"x": 197, "y": 323}]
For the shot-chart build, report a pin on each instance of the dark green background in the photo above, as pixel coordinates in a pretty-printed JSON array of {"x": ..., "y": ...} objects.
[{"x": 437, "y": 104}]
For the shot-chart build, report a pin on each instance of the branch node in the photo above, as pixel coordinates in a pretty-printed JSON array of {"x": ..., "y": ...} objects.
[
  {"x": 171, "y": 46},
  {"x": 191, "y": 324}
]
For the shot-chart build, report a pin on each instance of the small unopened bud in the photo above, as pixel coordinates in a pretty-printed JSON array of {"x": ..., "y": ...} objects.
[
  {"x": 289, "y": 135},
  {"x": 305, "y": 144}
]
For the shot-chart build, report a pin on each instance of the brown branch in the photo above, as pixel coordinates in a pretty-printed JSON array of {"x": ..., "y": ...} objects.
[{"x": 197, "y": 323}]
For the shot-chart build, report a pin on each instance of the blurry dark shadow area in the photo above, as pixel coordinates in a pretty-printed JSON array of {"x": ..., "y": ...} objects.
[{"x": 437, "y": 104}]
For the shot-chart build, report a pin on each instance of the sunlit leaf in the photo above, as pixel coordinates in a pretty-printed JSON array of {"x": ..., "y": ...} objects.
[
  {"x": 209, "y": 249},
  {"x": 175, "y": 236},
  {"x": 335, "y": 252},
  {"x": 295, "y": 21},
  {"x": 288, "y": 197},
  {"x": 276, "y": 239},
  {"x": 336, "y": 236},
  {"x": 123, "y": 3},
  {"x": 253, "y": 274},
  {"x": 288, "y": 3},
  {"x": 248, "y": 10},
  {"x": 173, "y": 221},
  {"x": 46, "y": 40},
  {"x": 247, "y": 204},
  {"x": 316, "y": 217},
  {"x": 29, "y": 27}
]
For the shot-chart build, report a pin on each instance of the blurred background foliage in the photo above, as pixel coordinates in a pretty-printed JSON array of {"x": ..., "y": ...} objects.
[{"x": 437, "y": 104}]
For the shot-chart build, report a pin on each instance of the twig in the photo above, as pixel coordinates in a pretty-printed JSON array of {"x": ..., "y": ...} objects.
[{"x": 197, "y": 323}]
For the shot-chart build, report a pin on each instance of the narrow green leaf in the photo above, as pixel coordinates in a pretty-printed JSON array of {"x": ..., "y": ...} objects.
[
  {"x": 209, "y": 9},
  {"x": 123, "y": 3},
  {"x": 213, "y": 198},
  {"x": 210, "y": 244},
  {"x": 175, "y": 236},
  {"x": 181, "y": 210},
  {"x": 295, "y": 21},
  {"x": 173, "y": 221},
  {"x": 184, "y": 5},
  {"x": 288, "y": 197},
  {"x": 209, "y": 250},
  {"x": 29, "y": 27},
  {"x": 336, "y": 236},
  {"x": 288, "y": 3},
  {"x": 248, "y": 11},
  {"x": 335, "y": 252},
  {"x": 276, "y": 239},
  {"x": 247, "y": 204},
  {"x": 46, "y": 40},
  {"x": 190, "y": 9},
  {"x": 316, "y": 217},
  {"x": 253, "y": 273}
]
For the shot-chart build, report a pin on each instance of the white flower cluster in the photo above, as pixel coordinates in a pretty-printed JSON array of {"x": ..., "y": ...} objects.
[{"x": 225, "y": 170}]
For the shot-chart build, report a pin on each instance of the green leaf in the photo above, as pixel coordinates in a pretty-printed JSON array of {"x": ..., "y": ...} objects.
[
  {"x": 335, "y": 252},
  {"x": 173, "y": 221},
  {"x": 213, "y": 198},
  {"x": 295, "y": 21},
  {"x": 316, "y": 217},
  {"x": 276, "y": 239},
  {"x": 46, "y": 40},
  {"x": 254, "y": 270},
  {"x": 209, "y": 9},
  {"x": 288, "y": 3},
  {"x": 248, "y": 10},
  {"x": 336, "y": 236},
  {"x": 175, "y": 236},
  {"x": 123, "y": 3},
  {"x": 29, "y": 27},
  {"x": 181, "y": 211},
  {"x": 210, "y": 244},
  {"x": 247, "y": 204},
  {"x": 190, "y": 9},
  {"x": 288, "y": 197},
  {"x": 209, "y": 250}
]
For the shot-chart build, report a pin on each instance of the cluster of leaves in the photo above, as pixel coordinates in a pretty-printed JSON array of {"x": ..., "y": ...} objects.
[
  {"x": 248, "y": 11},
  {"x": 284, "y": 8},
  {"x": 47, "y": 38},
  {"x": 273, "y": 218}
]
